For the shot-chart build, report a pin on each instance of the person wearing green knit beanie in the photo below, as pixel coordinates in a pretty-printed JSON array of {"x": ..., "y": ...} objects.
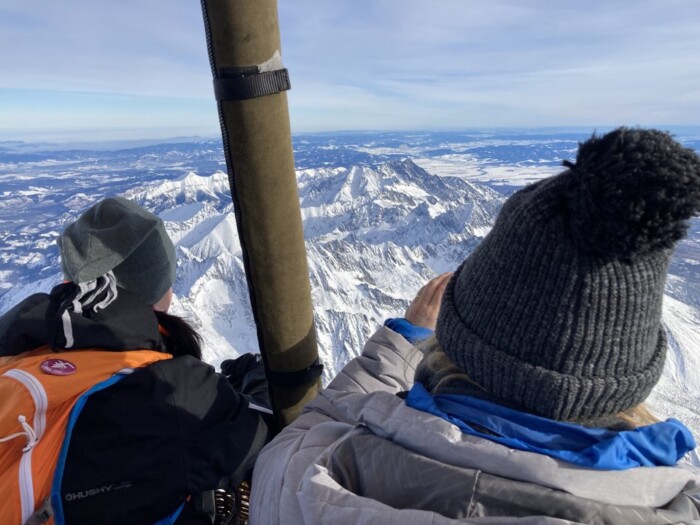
[
  {"x": 110, "y": 415},
  {"x": 120, "y": 236}
]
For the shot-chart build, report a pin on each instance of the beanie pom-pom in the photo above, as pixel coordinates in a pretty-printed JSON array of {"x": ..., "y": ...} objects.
[{"x": 632, "y": 191}]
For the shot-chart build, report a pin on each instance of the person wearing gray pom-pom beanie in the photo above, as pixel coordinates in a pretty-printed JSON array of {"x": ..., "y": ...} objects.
[
  {"x": 525, "y": 405},
  {"x": 558, "y": 311}
]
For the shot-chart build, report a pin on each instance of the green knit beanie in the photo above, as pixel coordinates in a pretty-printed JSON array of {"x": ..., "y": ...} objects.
[
  {"x": 118, "y": 235},
  {"x": 558, "y": 310}
]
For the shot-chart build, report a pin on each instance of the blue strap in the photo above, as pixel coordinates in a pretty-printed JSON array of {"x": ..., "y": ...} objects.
[
  {"x": 56, "y": 502},
  {"x": 170, "y": 520}
]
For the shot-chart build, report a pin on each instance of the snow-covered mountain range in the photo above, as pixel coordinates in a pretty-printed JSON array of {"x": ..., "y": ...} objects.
[{"x": 375, "y": 234}]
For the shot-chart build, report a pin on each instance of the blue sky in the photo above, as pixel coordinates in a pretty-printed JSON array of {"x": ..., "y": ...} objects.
[{"x": 139, "y": 69}]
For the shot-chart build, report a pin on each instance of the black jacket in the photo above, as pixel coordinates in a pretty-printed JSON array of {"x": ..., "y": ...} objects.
[{"x": 141, "y": 447}]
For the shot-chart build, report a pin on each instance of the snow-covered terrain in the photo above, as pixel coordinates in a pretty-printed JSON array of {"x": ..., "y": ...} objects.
[
  {"x": 374, "y": 236},
  {"x": 375, "y": 233}
]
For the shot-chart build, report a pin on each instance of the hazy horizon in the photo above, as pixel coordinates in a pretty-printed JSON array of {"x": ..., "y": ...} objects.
[{"x": 110, "y": 139}]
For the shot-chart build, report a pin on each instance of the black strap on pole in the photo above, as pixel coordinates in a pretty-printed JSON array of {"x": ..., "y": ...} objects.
[
  {"x": 250, "y": 82},
  {"x": 243, "y": 84},
  {"x": 299, "y": 377}
]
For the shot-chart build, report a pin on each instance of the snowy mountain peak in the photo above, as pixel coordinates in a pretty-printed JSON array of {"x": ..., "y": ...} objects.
[
  {"x": 189, "y": 188},
  {"x": 213, "y": 237},
  {"x": 397, "y": 201}
]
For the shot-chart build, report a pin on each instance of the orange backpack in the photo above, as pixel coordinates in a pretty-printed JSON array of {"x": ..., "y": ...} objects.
[{"x": 41, "y": 391}]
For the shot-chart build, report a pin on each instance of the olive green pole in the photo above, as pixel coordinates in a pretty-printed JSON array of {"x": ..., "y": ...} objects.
[{"x": 243, "y": 34}]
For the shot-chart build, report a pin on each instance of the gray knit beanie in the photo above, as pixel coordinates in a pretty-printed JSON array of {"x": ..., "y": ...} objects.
[
  {"x": 558, "y": 310},
  {"x": 118, "y": 235}
]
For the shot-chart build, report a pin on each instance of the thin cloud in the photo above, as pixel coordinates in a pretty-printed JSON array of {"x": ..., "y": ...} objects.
[{"x": 368, "y": 64}]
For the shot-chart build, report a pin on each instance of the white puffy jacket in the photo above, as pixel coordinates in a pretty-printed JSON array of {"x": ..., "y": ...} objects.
[{"x": 358, "y": 454}]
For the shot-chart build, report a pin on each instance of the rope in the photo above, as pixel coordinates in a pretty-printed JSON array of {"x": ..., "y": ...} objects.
[{"x": 27, "y": 431}]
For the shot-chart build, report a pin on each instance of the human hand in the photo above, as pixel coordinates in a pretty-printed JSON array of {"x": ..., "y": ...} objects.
[{"x": 424, "y": 308}]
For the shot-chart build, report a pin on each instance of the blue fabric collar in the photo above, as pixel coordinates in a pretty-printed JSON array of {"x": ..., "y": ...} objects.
[
  {"x": 412, "y": 333},
  {"x": 662, "y": 443}
]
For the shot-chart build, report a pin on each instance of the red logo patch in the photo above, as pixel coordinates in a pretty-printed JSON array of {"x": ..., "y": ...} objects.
[{"x": 58, "y": 367}]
